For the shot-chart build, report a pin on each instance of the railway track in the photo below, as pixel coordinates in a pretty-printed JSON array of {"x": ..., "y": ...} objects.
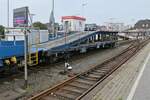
[{"x": 80, "y": 85}]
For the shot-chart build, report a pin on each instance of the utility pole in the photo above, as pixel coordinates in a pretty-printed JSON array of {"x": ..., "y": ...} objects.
[
  {"x": 67, "y": 65},
  {"x": 25, "y": 59},
  {"x": 83, "y": 15},
  {"x": 83, "y": 5},
  {"x": 7, "y": 13},
  {"x": 66, "y": 56}
]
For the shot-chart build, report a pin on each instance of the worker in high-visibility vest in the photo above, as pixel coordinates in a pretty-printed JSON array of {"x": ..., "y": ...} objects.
[
  {"x": 13, "y": 60},
  {"x": 7, "y": 62},
  {"x": 13, "y": 65}
]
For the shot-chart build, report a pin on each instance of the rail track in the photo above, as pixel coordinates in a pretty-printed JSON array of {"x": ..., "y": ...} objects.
[{"x": 78, "y": 86}]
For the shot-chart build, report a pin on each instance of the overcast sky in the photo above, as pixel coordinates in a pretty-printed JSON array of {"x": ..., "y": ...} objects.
[{"x": 96, "y": 11}]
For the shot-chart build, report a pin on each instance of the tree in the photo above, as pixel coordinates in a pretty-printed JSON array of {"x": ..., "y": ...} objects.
[
  {"x": 40, "y": 25},
  {"x": 2, "y": 29},
  {"x": 142, "y": 24}
]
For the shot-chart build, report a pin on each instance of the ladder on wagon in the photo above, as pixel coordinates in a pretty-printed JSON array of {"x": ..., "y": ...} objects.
[{"x": 33, "y": 57}]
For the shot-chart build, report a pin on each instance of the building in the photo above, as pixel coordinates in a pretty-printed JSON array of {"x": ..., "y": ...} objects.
[
  {"x": 115, "y": 26},
  {"x": 73, "y": 23},
  {"x": 102, "y": 28},
  {"x": 91, "y": 27}
]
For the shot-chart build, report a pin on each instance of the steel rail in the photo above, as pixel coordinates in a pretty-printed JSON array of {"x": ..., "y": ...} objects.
[{"x": 80, "y": 85}]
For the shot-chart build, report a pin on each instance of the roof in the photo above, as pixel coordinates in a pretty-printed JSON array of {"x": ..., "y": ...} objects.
[{"x": 73, "y": 17}]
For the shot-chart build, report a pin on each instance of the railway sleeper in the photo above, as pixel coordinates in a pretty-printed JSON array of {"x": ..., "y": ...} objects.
[
  {"x": 78, "y": 86},
  {"x": 61, "y": 97},
  {"x": 92, "y": 75},
  {"x": 100, "y": 71},
  {"x": 88, "y": 78},
  {"x": 97, "y": 73},
  {"x": 103, "y": 70},
  {"x": 111, "y": 64},
  {"x": 66, "y": 95},
  {"x": 105, "y": 67},
  {"x": 75, "y": 91},
  {"x": 81, "y": 84},
  {"x": 85, "y": 81},
  {"x": 78, "y": 89},
  {"x": 50, "y": 97}
]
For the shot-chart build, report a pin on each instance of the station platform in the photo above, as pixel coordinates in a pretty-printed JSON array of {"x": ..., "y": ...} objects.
[
  {"x": 130, "y": 82},
  {"x": 141, "y": 88}
]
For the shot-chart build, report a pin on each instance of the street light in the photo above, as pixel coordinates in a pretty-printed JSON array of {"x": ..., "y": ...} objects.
[
  {"x": 31, "y": 19},
  {"x": 32, "y": 15},
  {"x": 83, "y": 5},
  {"x": 67, "y": 65}
]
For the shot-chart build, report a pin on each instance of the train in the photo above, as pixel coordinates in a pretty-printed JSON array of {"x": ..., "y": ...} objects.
[{"x": 12, "y": 47}]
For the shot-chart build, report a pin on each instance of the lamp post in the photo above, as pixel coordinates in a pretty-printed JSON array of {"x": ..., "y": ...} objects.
[
  {"x": 32, "y": 15},
  {"x": 67, "y": 65},
  {"x": 66, "y": 56},
  {"x": 31, "y": 19},
  {"x": 83, "y": 5}
]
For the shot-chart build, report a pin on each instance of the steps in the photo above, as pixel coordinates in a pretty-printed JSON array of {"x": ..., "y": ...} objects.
[{"x": 33, "y": 59}]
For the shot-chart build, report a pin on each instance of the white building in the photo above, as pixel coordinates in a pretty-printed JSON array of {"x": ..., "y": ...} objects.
[
  {"x": 116, "y": 26},
  {"x": 73, "y": 23}
]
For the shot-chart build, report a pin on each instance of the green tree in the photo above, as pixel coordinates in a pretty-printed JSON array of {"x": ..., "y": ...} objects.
[
  {"x": 143, "y": 24},
  {"x": 2, "y": 28},
  {"x": 40, "y": 25}
]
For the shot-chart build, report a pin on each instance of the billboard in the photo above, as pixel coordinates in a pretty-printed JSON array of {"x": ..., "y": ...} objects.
[{"x": 20, "y": 17}]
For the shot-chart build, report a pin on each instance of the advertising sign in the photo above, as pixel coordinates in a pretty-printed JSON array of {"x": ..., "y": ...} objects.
[{"x": 20, "y": 17}]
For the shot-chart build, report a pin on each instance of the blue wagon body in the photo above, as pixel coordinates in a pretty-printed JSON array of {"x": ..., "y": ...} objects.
[{"x": 11, "y": 48}]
